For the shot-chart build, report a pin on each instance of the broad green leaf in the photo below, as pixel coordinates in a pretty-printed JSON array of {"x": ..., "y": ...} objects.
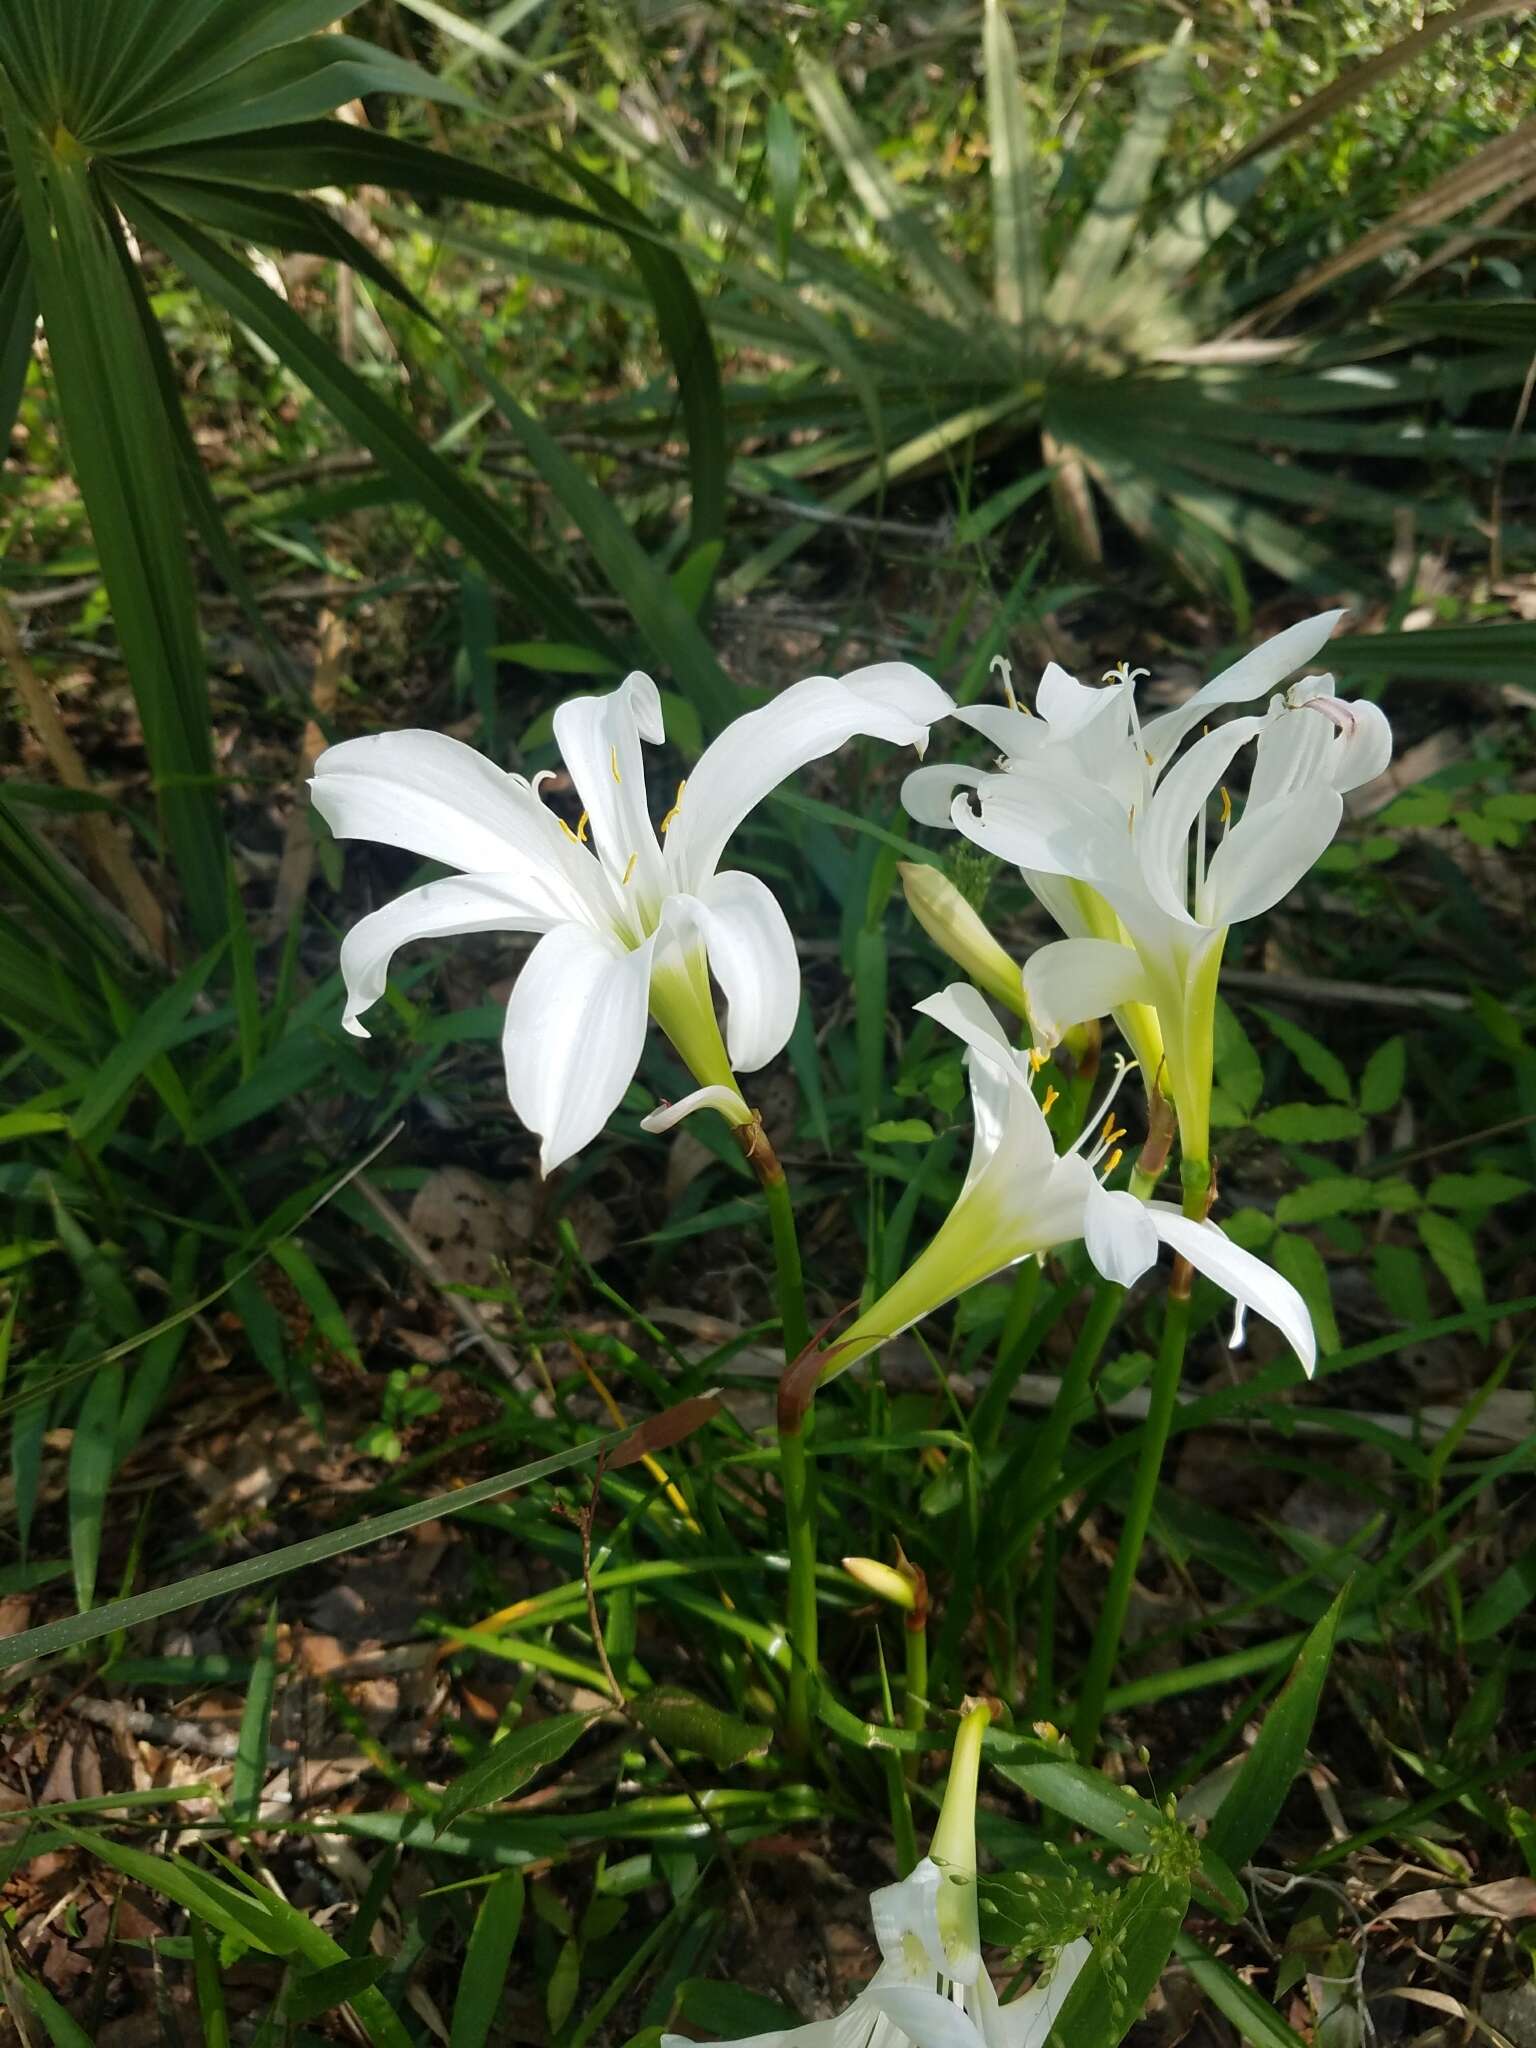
[
  {"x": 1450, "y": 1245},
  {"x": 1241, "y": 1824},
  {"x": 1312, "y": 1056},
  {"x": 509, "y": 1764},
  {"x": 1500, "y": 1602},
  {"x": 781, "y": 152},
  {"x": 18, "y": 314},
  {"x": 75, "y": 1629},
  {"x": 315, "y": 1290},
  {"x": 1238, "y": 1067},
  {"x": 1310, "y": 1123},
  {"x": 728, "y": 2011},
  {"x": 1342, "y": 1194},
  {"x": 1381, "y": 1084},
  {"x": 564, "y": 1982},
  {"x": 1475, "y": 1190},
  {"x": 681, "y": 1720},
  {"x": 486, "y": 1960},
  {"x": 1299, "y": 1259},
  {"x": 61, "y": 2030},
  {"x": 320, "y": 1991}
]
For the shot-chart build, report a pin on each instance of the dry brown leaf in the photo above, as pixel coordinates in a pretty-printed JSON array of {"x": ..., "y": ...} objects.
[
  {"x": 470, "y": 1224},
  {"x": 1509, "y": 1898}
]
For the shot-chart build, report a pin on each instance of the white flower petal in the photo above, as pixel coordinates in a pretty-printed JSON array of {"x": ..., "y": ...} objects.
[
  {"x": 435, "y": 797},
  {"x": 752, "y": 955},
  {"x": 439, "y": 910},
  {"x": 1162, "y": 834},
  {"x": 890, "y": 700},
  {"x": 1072, "y": 980},
  {"x": 1012, "y": 732},
  {"x": 724, "y": 1100},
  {"x": 1251, "y": 1284},
  {"x": 599, "y": 739},
  {"x": 1263, "y": 668},
  {"x": 1267, "y": 852},
  {"x": 851, "y": 2028},
  {"x": 1001, "y": 1096},
  {"x": 574, "y": 1032},
  {"x": 1121, "y": 1237},
  {"x": 1054, "y": 821},
  {"x": 1070, "y": 707},
  {"x": 928, "y": 793},
  {"x": 1026, "y": 2021},
  {"x": 906, "y": 1917},
  {"x": 1363, "y": 751},
  {"x": 926, "y": 2017}
]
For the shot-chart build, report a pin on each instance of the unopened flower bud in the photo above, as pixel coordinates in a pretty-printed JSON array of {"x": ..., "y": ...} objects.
[
  {"x": 883, "y": 1580},
  {"x": 956, "y": 929}
]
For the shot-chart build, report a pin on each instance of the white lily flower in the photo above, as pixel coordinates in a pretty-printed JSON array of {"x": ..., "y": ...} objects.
[
  {"x": 1099, "y": 815},
  {"x": 932, "y": 1989},
  {"x": 631, "y": 923},
  {"x": 1020, "y": 1198}
]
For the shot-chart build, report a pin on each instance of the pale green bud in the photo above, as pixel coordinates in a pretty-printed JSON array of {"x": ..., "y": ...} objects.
[{"x": 956, "y": 929}]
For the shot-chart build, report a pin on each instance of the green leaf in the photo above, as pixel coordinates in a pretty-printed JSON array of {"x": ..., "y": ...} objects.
[
  {"x": 75, "y": 1629},
  {"x": 255, "y": 1723},
  {"x": 484, "y": 1971},
  {"x": 61, "y": 2030},
  {"x": 681, "y": 1720},
  {"x": 1310, "y": 1123},
  {"x": 123, "y": 459},
  {"x": 1342, "y": 1194},
  {"x": 1254, "y": 2018},
  {"x": 564, "y": 1983},
  {"x": 1475, "y": 1190},
  {"x": 1017, "y": 207},
  {"x": 321, "y": 1991},
  {"x": 92, "y": 1456},
  {"x": 509, "y": 1764},
  {"x": 1241, "y": 1824},
  {"x": 1450, "y": 1245},
  {"x": 465, "y": 511},
  {"x": 1382, "y": 1082},
  {"x": 154, "y": 1032},
  {"x": 1503, "y": 1600},
  {"x": 729, "y": 2012},
  {"x": 781, "y": 150},
  {"x": 1299, "y": 1259},
  {"x": 315, "y": 1290},
  {"x": 904, "y": 1130},
  {"x": 1312, "y": 1056}
]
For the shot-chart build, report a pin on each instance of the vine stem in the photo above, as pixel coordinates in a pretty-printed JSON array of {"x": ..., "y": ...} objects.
[{"x": 796, "y": 1475}]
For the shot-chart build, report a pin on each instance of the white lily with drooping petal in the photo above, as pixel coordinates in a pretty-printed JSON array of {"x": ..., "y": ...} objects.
[
  {"x": 1020, "y": 1198},
  {"x": 1099, "y": 814},
  {"x": 932, "y": 1989},
  {"x": 630, "y": 923}
]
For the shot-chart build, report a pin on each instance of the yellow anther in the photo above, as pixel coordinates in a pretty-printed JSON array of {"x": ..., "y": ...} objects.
[
  {"x": 1052, "y": 1097},
  {"x": 1112, "y": 1161},
  {"x": 567, "y": 831},
  {"x": 1002, "y": 667},
  {"x": 677, "y": 805},
  {"x": 1226, "y": 805},
  {"x": 634, "y": 861},
  {"x": 1037, "y": 1059},
  {"x": 613, "y": 763},
  {"x": 581, "y": 829}
]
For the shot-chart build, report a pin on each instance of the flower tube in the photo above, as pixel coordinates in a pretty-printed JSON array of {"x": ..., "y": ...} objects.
[{"x": 1021, "y": 1199}]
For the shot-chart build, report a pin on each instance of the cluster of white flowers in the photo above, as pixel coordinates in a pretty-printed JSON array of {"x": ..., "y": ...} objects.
[{"x": 1130, "y": 840}]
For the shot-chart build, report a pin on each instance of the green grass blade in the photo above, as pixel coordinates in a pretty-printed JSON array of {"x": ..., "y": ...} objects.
[
  {"x": 75, "y": 1629},
  {"x": 940, "y": 279},
  {"x": 126, "y": 471},
  {"x": 1095, "y": 251},
  {"x": 255, "y": 1721},
  {"x": 1242, "y": 1822},
  {"x": 1017, "y": 203},
  {"x": 18, "y": 315},
  {"x": 486, "y": 1961},
  {"x": 92, "y": 1454},
  {"x": 155, "y": 1031},
  {"x": 465, "y": 511},
  {"x": 1254, "y": 2017}
]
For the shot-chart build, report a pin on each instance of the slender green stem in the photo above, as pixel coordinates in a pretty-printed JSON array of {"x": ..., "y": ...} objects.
[
  {"x": 789, "y": 1281},
  {"x": 1117, "y": 1598},
  {"x": 914, "y": 1711},
  {"x": 1051, "y": 1438},
  {"x": 796, "y": 1474}
]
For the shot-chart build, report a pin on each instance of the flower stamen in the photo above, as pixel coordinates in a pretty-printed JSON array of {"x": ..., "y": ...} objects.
[
  {"x": 634, "y": 862},
  {"x": 1002, "y": 668},
  {"x": 613, "y": 763},
  {"x": 677, "y": 805},
  {"x": 1052, "y": 1097}
]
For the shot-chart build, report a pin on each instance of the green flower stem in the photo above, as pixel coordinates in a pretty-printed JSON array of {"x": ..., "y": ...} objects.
[
  {"x": 796, "y": 1474},
  {"x": 1117, "y": 1599},
  {"x": 1051, "y": 1439},
  {"x": 914, "y": 1712}
]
